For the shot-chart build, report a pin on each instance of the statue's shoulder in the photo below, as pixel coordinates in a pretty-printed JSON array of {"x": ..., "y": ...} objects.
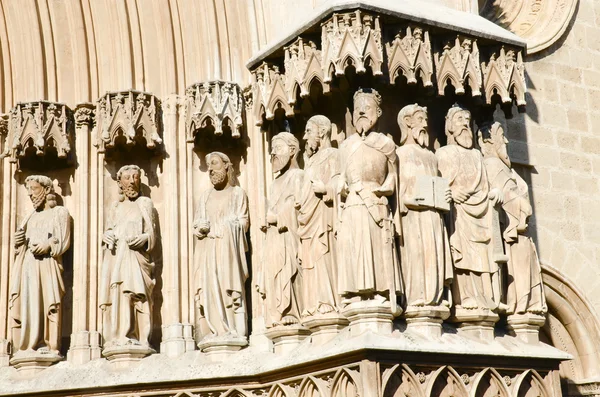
[
  {"x": 60, "y": 210},
  {"x": 145, "y": 202}
]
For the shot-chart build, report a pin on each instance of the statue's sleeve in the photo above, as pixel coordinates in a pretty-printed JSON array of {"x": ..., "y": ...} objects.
[
  {"x": 242, "y": 210},
  {"x": 61, "y": 235},
  {"x": 200, "y": 213},
  {"x": 149, "y": 214},
  {"x": 286, "y": 210}
]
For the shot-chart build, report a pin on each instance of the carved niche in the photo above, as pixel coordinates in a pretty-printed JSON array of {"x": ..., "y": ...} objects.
[
  {"x": 411, "y": 56},
  {"x": 351, "y": 38},
  {"x": 219, "y": 102},
  {"x": 129, "y": 115},
  {"x": 303, "y": 64},
  {"x": 505, "y": 76},
  {"x": 39, "y": 125},
  {"x": 459, "y": 64},
  {"x": 269, "y": 93}
]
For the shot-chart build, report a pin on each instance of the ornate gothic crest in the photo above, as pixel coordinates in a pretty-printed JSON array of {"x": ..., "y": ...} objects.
[
  {"x": 411, "y": 56},
  {"x": 505, "y": 76},
  {"x": 459, "y": 64}
]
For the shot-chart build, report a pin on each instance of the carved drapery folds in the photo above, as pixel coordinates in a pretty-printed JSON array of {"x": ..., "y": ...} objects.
[
  {"x": 39, "y": 125},
  {"x": 459, "y": 65},
  {"x": 411, "y": 56},
  {"x": 128, "y": 115},
  {"x": 351, "y": 38},
  {"x": 505, "y": 75},
  {"x": 217, "y": 102},
  {"x": 303, "y": 64},
  {"x": 269, "y": 93}
]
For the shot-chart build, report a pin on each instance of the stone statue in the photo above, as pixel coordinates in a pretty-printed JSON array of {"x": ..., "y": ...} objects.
[
  {"x": 369, "y": 266},
  {"x": 317, "y": 219},
  {"x": 424, "y": 247},
  {"x": 471, "y": 216},
  {"x": 127, "y": 281},
  {"x": 220, "y": 268},
  {"x": 525, "y": 293},
  {"x": 36, "y": 285},
  {"x": 280, "y": 282}
]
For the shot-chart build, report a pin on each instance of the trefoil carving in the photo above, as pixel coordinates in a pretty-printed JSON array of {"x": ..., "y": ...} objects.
[
  {"x": 411, "y": 56},
  {"x": 269, "y": 93},
  {"x": 303, "y": 64},
  {"x": 459, "y": 64},
  {"x": 505, "y": 76}
]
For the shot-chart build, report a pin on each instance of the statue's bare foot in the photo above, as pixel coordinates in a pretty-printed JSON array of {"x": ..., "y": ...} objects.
[
  {"x": 289, "y": 320},
  {"x": 469, "y": 304},
  {"x": 325, "y": 308},
  {"x": 445, "y": 303},
  {"x": 418, "y": 303}
]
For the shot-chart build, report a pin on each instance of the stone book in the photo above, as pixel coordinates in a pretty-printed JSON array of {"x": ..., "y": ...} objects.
[{"x": 431, "y": 192}]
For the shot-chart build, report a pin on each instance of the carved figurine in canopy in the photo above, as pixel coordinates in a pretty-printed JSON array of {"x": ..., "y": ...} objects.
[
  {"x": 127, "y": 279},
  {"x": 36, "y": 285},
  {"x": 369, "y": 276},
  {"x": 476, "y": 289},
  {"x": 424, "y": 246},
  {"x": 220, "y": 267},
  {"x": 525, "y": 292}
]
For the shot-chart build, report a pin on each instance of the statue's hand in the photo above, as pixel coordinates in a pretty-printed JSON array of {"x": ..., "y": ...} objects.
[
  {"x": 198, "y": 233},
  {"x": 459, "y": 196},
  {"x": 283, "y": 229},
  {"x": 448, "y": 195},
  {"x": 203, "y": 226},
  {"x": 137, "y": 243},
  {"x": 109, "y": 238},
  {"x": 411, "y": 202},
  {"x": 382, "y": 191},
  {"x": 40, "y": 249},
  {"x": 495, "y": 196},
  {"x": 319, "y": 187},
  {"x": 271, "y": 218},
  {"x": 19, "y": 238}
]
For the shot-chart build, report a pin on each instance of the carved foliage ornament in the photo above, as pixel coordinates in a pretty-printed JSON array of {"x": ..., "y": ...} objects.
[
  {"x": 351, "y": 38},
  {"x": 218, "y": 101},
  {"x": 269, "y": 93},
  {"x": 459, "y": 65},
  {"x": 505, "y": 75},
  {"x": 303, "y": 64},
  {"x": 39, "y": 125},
  {"x": 128, "y": 114},
  {"x": 411, "y": 56}
]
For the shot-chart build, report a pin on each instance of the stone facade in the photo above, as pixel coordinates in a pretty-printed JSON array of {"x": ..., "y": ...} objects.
[{"x": 209, "y": 161}]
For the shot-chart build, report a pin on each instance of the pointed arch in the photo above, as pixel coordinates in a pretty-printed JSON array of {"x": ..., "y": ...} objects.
[
  {"x": 278, "y": 390},
  {"x": 313, "y": 387},
  {"x": 445, "y": 382},
  {"x": 530, "y": 384},
  {"x": 346, "y": 383},
  {"x": 489, "y": 383},
  {"x": 236, "y": 393},
  {"x": 401, "y": 381}
]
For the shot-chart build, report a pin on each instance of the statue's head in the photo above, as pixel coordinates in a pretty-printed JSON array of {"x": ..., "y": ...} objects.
[
  {"x": 412, "y": 120},
  {"x": 129, "y": 181},
  {"x": 458, "y": 127},
  {"x": 220, "y": 169},
  {"x": 40, "y": 191},
  {"x": 367, "y": 110},
  {"x": 316, "y": 133},
  {"x": 284, "y": 151},
  {"x": 492, "y": 142}
]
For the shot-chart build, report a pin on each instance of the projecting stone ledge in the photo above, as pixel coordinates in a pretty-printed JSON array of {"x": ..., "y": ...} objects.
[{"x": 344, "y": 366}]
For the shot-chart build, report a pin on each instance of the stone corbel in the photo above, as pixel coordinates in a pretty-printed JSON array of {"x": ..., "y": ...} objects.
[
  {"x": 459, "y": 64},
  {"x": 220, "y": 102},
  {"x": 302, "y": 63},
  {"x": 505, "y": 75},
  {"x": 40, "y": 125},
  {"x": 351, "y": 38},
  {"x": 411, "y": 56},
  {"x": 269, "y": 93},
  {"x": 130, "y": 114}
]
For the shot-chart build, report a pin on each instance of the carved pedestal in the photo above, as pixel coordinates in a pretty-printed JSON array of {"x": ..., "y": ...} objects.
[
  {"x": 478, "y": 323},
  {"x": 369, "y": 315},
  {"x": 124, "y": 355},
  {"x": 85, "y": 346},
  {"x": 4, "y": 353},
  {"x": 220, "y": 347},
  {"x": 526, "y": 326},
  {"x": 426, "y": 320},
  {"x": 30, "y": 362},
  {"x": 287, "y": 337},
  {"x": 325, "y": 327},
  {"x": 177, "y": 339}
]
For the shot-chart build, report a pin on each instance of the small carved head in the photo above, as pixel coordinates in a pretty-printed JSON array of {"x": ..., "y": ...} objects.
[
  {"x": 129, "y": 182},
  {"x": 284, "y": 151},
  {"x": 412, "y": 120},
  {"x": 40, "y": 191},
  {"x": 492, "y": 142},
  {"x": 220, "y": 169},
  {"x": 458, "y": 127},
  {"x": 367, "y": 110},
  {"x": 318, "y": 130}
]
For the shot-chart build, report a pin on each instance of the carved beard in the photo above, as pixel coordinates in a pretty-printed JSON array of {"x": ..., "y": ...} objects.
[
  {"x": 218, "y": 177},
  {"x": 130, "y": 191},
  {"x": 422, "y": 138},
  {"x": 38, "y": 200},
  {"x": 312, "y": 146},
  {"x": 465, "y": 138},
  {"x": 364, "y": 124},
  {"x": 279, "y": 161}
]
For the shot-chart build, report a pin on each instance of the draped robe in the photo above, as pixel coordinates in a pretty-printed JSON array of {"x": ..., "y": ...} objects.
[{"x": 36, "y": 286}]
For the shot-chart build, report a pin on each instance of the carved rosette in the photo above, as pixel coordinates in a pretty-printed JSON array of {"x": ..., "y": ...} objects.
[
  {"x": 459, "y": 64},
  {"x": 219, "y": 102},
  {"x": 269, "y": 93},
  {"x": 411, "y": 56},
  {"x": 128, "y": 114},
  {"x": 505, "y": 75},
  {"x": 40, "y": 125},
  {"x": 84, "y": 114},
  {"x": 302, "y": 64},
  {"x": 352, "y": 38}
]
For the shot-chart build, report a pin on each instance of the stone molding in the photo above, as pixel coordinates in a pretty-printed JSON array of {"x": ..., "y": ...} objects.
[
  {"x": 459, "y": 64},
  {"x": 304, "y": 62},
  {"x": 269, "y": 93},
  {"x": 411, "y": 56},
  {"x": 505, "y": 76},
  {"x": 221, "y": 102}
]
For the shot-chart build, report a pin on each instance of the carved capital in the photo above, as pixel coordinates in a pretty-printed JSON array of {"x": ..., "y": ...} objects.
[
  {"x": 217, "y": 102},
  {"x": 84, "y": 114},
  {"x": 504, "y": 75},
  {"x": 411, "y": 56},
  {"x": 459, "y": 64},
  {"x": 351, "y": 38},
  {"x": 39, "y": 125},
  {"x": 130, "y": 114},
  {"x": 303, "y": 64},
  {"x": 269, "y": 93}
]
